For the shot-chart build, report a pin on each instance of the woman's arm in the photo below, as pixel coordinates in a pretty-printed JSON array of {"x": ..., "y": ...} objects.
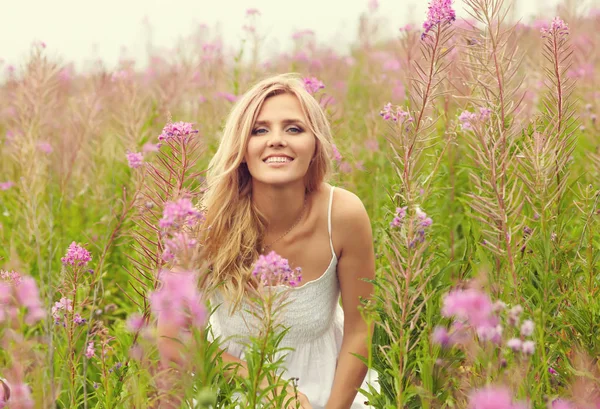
[{"x": 356, "y": 263}]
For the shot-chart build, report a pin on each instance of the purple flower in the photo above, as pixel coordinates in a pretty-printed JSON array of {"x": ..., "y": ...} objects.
[
  {"x": 395, "y": 113},
  {"x": 76, "y": 256},
  {"x": 89, "y": 351},
  {"x": 178, "y": 300},
  {"x": 552, "y": 371},
  {"x": 312, "y": 84},
  {"x": 151, "y": 147},
  {"x": 440, "y": 336},
  {"x": 135, "y": 159},
  {"x": 273, "y": 269},
  {"x": 556, "y": 28},
  {"x": 65, "y": 304},
  {"x": 466, "y": 119},
  {"x": 78, "y": 319},
  {"x": 177, "y": 130},
  {"x": 20, "y": 397},
  {"x": 6, "y": 185},
  {"x": 178, "y": 213},
  {"x": 439, "y": 12},
  {"x": 28, "y": 296},
  {"x": 492, "y": 398},
  {"x": 399, "y": 217}
]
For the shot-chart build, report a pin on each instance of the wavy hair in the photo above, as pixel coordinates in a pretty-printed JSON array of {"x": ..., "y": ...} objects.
[{"x": 236, "y": 227}]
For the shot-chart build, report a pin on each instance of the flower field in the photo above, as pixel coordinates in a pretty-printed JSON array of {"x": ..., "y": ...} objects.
[{"x": 474, "y": 145}]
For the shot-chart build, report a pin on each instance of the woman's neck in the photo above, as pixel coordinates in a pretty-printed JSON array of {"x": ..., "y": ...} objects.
[{"x": 280, "y": 205}]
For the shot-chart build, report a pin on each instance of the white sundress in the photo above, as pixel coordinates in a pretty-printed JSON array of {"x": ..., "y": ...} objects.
[{"x": 316, "y": 322}]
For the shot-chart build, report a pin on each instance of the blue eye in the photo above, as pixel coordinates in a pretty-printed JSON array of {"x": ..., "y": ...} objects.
[
  {"x": 258, "y": 131},
  {"x": 295, "y": 129}
]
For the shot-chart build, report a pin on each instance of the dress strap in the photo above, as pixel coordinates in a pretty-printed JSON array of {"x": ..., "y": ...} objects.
[{"x": 329, "y": 220}]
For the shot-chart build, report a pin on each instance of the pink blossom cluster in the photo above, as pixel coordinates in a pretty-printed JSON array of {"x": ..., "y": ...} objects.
[
  {"x": 6, "y": 185},
  {"x": 312, "y": 84},
  {"x": 180, "y": 241},
  {"x": 60, "y": 311},
  {"x": 556, "y": 28},
  {"x": 423, "y": 223},
  {"x": 135, "y": 159},
  {"x": 44, "y": 147},
  {"x": 18, "y": 395},
  {"x": 468, "y": 118},
  {"x": 399, "y": 217},
  {"x": 493, "y": 398},
  {"x": 177, "y": 130},
  {"x": 471, "y": 309},
  {"x": 180, "y": 213},
  {"x": 18, "y": 291},
  {"x": 76, "y": 256},
  {"x": 178, "y": 300},
  {"x": 273, "y": 270},
  {"x": 521, "y": 344},
  {"x": 337, "y": 156},
  {"x": 395, "y": 113},
  {"x": 89, "y": 350},
  {"x": 439, "y": 12}
]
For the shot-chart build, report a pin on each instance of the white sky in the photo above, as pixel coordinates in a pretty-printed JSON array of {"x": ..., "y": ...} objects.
[{"x": 80, "y": 30}]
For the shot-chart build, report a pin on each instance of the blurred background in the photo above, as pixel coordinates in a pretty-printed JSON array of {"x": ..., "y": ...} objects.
[{"x": 83, "y": 31}]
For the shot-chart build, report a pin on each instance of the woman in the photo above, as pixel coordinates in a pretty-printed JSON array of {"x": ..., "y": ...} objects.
[{"x": 267, "y": 191}]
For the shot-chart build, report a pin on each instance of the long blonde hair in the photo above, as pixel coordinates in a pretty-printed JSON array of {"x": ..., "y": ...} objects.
[{"x": 235, "y": 227}]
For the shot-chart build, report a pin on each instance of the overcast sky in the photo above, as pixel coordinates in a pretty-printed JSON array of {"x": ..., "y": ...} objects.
[{"x": 80, "y": 30}]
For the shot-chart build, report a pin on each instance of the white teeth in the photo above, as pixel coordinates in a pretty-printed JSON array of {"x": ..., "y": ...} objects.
[{"x": 275, "y": 159}]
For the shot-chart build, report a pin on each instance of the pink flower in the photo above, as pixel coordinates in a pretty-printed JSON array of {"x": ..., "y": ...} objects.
[
  {"x": 76, "y": 256},
  {"x": 528, "y": 347},
  {"x": 227, "y": 96},
  {"x": 337, "y": 156},
  {"x": 373, "y": 5},
  {"x": 312, "y": 84},
  {"x": 527, "y": 328},
  {"x": 372, "y": 145},
  {"x": 176, "y": 244},
  {"x": 177, "y": 130},
  {"x": 135, "y": 159},
  {"x": 556, "y": 28},
  {"x": 178, "y": 213},
  {"x": 440, "y": 12},
  {"x": 440, "y": 336},
  {"x": 515, "y": 344},
  {"x": 492, "y": 398},
  {"x": 135, "y": 322},
  {"x": 273, "y": 270},
  {"x": 65, "y": 304},
  {"x": 178, "y": 300},
  {"x": 561, "y": 404},
  {"x": 399, "y": 217},
  {"x": 395, "y": 113},
  {"x": 44, "y": 147},
  {"x": 471, "y": 306},
  {"x": 252, "y": 12},
  {"x": 20, "y": 397},
  {"x": 6, "y": 185},
  {"x": 89, "y": 351},
  {"x": 345, "y": 167},
  {"x": 28, "y": 296},
  {"x": 78, "y": 319},
  {"x": 4, "y": 393},
  {"x": 151, "y": 147}
]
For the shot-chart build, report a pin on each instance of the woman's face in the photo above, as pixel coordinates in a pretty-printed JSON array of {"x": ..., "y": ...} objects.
[{"x": 281, "y": 146}]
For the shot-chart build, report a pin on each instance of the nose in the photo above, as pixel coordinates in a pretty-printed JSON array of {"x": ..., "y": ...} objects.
[{"x": 276, "y": 139}]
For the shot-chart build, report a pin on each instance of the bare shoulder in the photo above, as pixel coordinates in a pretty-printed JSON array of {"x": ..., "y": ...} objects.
[{"x": 349, "y": 218}]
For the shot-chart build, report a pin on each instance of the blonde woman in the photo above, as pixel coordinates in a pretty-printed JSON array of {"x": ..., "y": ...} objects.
[{"x": 267, "y": 191}]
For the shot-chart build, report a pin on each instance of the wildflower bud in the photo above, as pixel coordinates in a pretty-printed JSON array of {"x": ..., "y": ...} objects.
[
  {"x": 552, "y": 371},
  {"x": 149, "y": 205},
  {"x": 498, "y": 306},
  {"x": 527, "y": 231}
]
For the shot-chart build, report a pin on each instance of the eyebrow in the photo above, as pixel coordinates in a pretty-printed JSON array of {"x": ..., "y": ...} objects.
[{"x": 285, "y": 122}]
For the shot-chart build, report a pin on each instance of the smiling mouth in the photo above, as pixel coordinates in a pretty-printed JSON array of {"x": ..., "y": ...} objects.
[{"x": 278, "y": 159}]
